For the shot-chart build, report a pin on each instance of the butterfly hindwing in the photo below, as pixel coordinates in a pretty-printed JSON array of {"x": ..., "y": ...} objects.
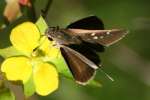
[
  {"x": 91, "y": 23},
  {"x": 81, "y": 69},
  {"x": 88, "y": 51}
]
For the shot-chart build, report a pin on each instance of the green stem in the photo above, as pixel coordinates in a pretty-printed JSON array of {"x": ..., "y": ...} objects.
[{"x": 46, "y": 9}]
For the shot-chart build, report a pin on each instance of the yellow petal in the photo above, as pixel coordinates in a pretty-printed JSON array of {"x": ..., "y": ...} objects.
[
  {"x": 45, "y": 78},
  {"x": 17, "y": 68},
  {"x": 48, "y": 48},
  {"x": 25, "y": 37}
]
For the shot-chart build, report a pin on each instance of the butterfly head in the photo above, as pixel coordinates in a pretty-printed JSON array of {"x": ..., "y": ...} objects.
[{"x": 51, "y": 32}]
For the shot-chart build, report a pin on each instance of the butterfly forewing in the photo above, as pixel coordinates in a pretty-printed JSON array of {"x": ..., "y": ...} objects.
[
  {"x": 81, "y": 69},
  {"x": 103, "y": 37}
]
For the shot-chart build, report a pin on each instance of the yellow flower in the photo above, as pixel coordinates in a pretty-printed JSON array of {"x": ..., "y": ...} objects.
[{"x": 26, "y": 38}]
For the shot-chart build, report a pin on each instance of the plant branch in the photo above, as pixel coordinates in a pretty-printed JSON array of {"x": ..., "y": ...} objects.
[{"x": 44, "y": 12}]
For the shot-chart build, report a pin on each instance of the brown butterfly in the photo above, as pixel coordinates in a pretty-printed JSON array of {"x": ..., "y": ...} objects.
[{"x": 80, "y": 42}]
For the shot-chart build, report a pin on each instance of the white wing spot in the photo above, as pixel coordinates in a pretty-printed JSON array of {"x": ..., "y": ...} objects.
[
  {"x": 93, "y": 34},
  {"x": 59, "y": 36},
  {"x": 101, "y": 37},
  {"x": 108, "y": 32},
  {"x": 95, "y": 37}
]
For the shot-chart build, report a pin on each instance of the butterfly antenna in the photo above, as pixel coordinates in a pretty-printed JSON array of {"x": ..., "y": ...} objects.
[{"x": 108, "y": 76}]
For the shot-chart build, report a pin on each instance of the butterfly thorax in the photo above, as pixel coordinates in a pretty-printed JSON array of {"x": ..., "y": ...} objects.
[{"x": 61, "y": 37}]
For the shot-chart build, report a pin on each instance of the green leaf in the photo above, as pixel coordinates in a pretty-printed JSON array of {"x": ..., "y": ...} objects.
[
  {"x": 41, "y": 24},
  {"x": 94, "y": 83},
  {"x": 9, "y": 52},
  {"x": 61, "y": 66},
  {"x": 6, "y": 94},
  {"x": 29, "y": 88}
]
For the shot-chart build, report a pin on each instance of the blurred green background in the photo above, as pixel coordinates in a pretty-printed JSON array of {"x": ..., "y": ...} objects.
[{"x": 127, "y": 61}]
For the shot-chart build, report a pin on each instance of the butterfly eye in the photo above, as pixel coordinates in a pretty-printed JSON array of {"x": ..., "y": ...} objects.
[{"x": 50, "y": 38}]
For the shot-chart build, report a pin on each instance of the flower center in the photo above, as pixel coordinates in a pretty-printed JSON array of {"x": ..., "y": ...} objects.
[{"x": 37, "y": 53}]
